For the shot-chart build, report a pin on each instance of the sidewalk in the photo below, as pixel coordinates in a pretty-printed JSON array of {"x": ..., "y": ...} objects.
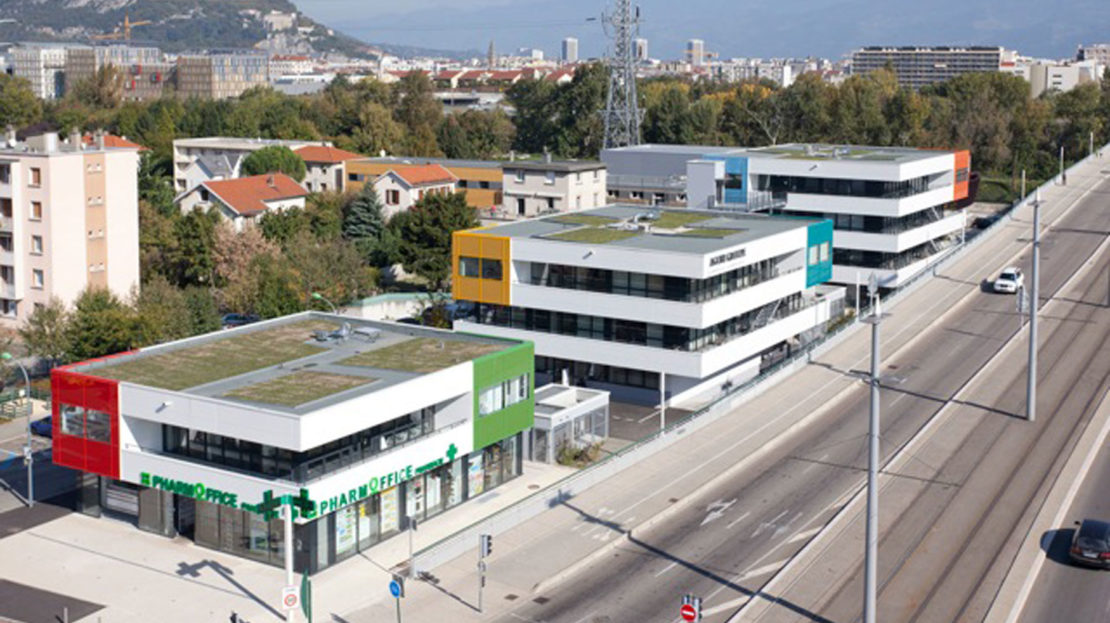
[{"x": 531, "y": 558}]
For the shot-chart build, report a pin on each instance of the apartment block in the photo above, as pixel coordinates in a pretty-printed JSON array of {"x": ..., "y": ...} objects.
[
  {"x": 649, "y": 303},
  {"x": 920, "y": 66},
  {"x": 220, "y": 76},
  {"x": 69, "y": 220},
  {"x": 143, "y": 71},
  {"x": 43, "y": 66}
]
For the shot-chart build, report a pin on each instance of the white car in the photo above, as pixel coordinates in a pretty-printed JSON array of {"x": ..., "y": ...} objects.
[{"x": 1009, "y": 280}]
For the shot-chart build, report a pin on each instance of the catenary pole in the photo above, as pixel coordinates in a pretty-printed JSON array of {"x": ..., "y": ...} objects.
[
  {"x": 1034, "y": 305},
  {"x": 872, "y": 534}
]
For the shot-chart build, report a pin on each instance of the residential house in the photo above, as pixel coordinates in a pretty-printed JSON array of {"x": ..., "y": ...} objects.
[
  {"x": 533, "y": 188},
  {"x": 246, "y": 198},
  {"x": 402, "y": 186},
  {"x": 325, "y": 167}
]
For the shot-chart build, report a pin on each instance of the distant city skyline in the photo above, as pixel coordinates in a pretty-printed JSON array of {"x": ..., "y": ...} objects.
[{"x": 826, "y": 28}]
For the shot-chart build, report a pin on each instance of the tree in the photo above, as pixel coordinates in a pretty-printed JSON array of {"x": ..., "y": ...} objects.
[
  {"x": 158, "y": 243},
  {"x": 324, "y": 213},
  {"x": 102, "y": 90},
  {"x": 274, "y": 159},
  {"x": 278, "y": 288},
  {"x": 476, "y": 134},
  {"x": 333, "y": 267},
  {"x": 363, "y": 216},
  {"x": 100, "y": 325},
  {"x": 668, "y": 121},
  {"x": 281, "y": 226},
  {"x": 155, "y": 186},
  {"x": 190, "y": 257},
  {"x": 234, "y": 256},
  {"x": 417, "y": 109},
  {"x": 44, "y": 332},
  {"x": 161, "y": 313},
  {"x": 375, "y": 131},
  {"x": 424, "y": 235},
  {"x": 204, "y": 317},
  {"x": 19, "y": 106}
]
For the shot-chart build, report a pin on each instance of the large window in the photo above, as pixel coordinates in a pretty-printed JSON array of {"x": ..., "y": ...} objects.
[
  {"x": 505, "y": 394},
  {"x": 846, "y": 187},
  {"x": 480, "y": 267},
  {"x": 297, "y": 466},
  {"x": 469, "y": 266},
  {"x": 88, "y": 423}
]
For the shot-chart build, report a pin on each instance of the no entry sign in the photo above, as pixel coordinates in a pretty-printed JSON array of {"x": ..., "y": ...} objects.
[{"x": 688, "y": 612}]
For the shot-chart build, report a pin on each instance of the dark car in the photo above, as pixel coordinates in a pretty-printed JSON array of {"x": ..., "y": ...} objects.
[
  {"x": 230, "y": 321},
  {"x": 1091, "y": 545},
  {"x": 42, "y": 427}
]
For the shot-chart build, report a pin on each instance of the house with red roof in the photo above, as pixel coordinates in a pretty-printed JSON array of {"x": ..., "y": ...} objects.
[
  {"x": 111, "y": 141},
  {"x": 325, "y": 167},
  {"x": 243, "y": 199},
  {"x": 403, "y": 185}
]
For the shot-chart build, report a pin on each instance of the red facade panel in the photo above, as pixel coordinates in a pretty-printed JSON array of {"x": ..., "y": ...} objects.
[
  {"x": 77, "y": 452},
  {"x": 962, "y": 174}
]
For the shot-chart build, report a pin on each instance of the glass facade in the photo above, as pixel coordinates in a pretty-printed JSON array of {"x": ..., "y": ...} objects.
[
  {"x": 638, "y": 333},
  {"x": 656, "y": 286},
  {"x": 874, "y": 189},
  {"x": 876, "y": 224},
  {"x": 298, "y": 467},
  {"x": 889, "y": 261},
  {"x": 326, "y": 540}
]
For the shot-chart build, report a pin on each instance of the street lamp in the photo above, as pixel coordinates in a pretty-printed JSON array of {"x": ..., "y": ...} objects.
[
  {"x": 320, "y": 297},
  {"x": 28, "y": 454}
]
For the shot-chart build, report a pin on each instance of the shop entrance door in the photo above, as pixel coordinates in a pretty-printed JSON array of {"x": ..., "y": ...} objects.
[{"x": 184, "y": 515}]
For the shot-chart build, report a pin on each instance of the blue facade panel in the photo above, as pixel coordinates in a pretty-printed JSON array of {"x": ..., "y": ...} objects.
[
  {"x": 819, "y": 253},
  {"x": 736, "y": 174}
]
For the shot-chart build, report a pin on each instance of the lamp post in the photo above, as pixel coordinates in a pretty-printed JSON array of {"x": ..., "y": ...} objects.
[
  {"x": 872, "y": 526},
  {"x": 28, "y": 453},
  {"x": 320, "y": 297}
]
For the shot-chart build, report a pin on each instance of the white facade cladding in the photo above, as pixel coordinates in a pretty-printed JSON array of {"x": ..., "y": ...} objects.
[
  {"x": 893, "y": 209},
  {"x": 362, "y": 427},
  {"x": 618, "y": 296}
]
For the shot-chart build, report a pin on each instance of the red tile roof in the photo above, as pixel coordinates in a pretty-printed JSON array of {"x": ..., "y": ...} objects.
[
  {"x": 320, "y": 153},
  {"x": 112, "y": 141},
  {"x": 449, "y": 74},
  {"x": 246, "y": 195},
  {"x": 423, "y": 174},
  {"x": 473, "y": 74}
]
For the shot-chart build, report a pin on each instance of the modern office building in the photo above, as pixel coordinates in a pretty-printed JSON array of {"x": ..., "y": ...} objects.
[
  {"x": 361, "y": 427},
  {"x": 69, "y": 220},
  {"x": 222, "y": 75},
  {"x": 196, "y": 160},
  {"x": 640, "y": 49},
  {"x": 919, "y": 66},
  {"x": 894, "y": 209},
  {"x": 142, "y": 71},
  {"x": 570, "y": 50},
  {"x": 647, "y": 302},
  {"x": 1097, "y": 52},
  {"x": 43, "y": 66},
  {"x": 545, "y": 186}
]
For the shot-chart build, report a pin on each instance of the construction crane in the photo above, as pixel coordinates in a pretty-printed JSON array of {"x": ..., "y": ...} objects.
[{"x": 126, "y": 25}]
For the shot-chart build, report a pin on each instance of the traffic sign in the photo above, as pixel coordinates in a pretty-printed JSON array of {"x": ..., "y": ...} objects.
[
  {"x": 688, "y": 613},
  {"x": 396, "y": 589},
  {"x": 290, "y": 597}
]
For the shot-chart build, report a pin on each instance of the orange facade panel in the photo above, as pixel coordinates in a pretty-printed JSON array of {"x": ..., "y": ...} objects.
[
  {"x": 962, "y": 174},
  {"x": 484, "y": 288}
]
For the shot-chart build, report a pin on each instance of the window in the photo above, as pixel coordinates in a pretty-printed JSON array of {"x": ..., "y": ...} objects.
[
  {"x": 36, "y": 245},
  {"x": 521, "y": 206},
  {"x": 505, "y": 394},
  {"x": 36, "y": 210},
  {"x": 393, "y": 197},
  {"x": 549, "y": 178},
  {"x": 814, "y": 255},
  {"x": 36, "y": 176},
  {"x": 38, "y": 278},
  {"x": 468, "y": 266},
  {"x": 491, "y": 269},
  {"x": 824, "y": 251},
  {"x": 520, "y": 175},
  {"x": 97, "y": 426}
]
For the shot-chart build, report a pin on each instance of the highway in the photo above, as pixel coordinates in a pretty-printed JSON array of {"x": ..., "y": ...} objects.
[
  {"x": 1064, "y": 592},
  {"x": 937, "y": 564}
]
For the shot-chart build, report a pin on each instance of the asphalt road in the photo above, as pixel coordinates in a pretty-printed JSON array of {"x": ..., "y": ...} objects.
[
  {"x": 725, "y": 545},
  {"x": 1064, "y": 592}
]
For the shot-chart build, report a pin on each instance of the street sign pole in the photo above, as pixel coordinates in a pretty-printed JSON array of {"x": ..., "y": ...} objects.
[
  {"x": 397, "y": 589},
  {"x": 287, "y": 521}
]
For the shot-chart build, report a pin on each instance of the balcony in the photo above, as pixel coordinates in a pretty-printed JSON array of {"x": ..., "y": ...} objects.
[
  {"x": 7, "y": 223},
  {"x": 7, "y": 290}
]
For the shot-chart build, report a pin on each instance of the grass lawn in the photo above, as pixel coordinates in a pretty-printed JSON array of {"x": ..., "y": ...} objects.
[
  {"x": 298, "y": 388},
  {"x": 584, "y": 219},
  {"x": 707, "y": 232},
  {"x": 673, "y": 219},
  {"x": 598, "y": 235},
  {"x": 421, "y": 354},
  {"x": 219, "y": 359}
]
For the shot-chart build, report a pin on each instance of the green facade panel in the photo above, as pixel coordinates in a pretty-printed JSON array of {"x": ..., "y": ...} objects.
[{"x": 495, "y": 368}]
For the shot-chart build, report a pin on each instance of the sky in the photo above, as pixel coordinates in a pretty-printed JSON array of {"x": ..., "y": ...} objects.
[{"x": 732, "y": 28}]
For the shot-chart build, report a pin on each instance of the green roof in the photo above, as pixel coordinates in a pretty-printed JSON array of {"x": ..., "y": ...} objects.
[
  {"x": 584, "y": 219},
  {"x": 598, "y": 235},
  {"x": 298, "y": 388},
  {"x": 190, "y": 366},
  {"x": 422, "y": 354},
  {"x": 673, "y": 219}
]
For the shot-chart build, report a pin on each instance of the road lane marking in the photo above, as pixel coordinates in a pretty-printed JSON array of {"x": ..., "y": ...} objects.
[
  {"x": 803, "y": 535},
  {"x": 666, "y": 569},
  {"x": 737, "y": 520},
  {"x": 765, "y": 525}
]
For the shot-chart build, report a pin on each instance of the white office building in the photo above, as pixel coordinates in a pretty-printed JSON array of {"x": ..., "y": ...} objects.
[
  {"x": 570, "y": 50},
  {"x": 695, "y": 52},
  {"x": 648, "y": 302},
  {"x": 894, "y": 210},
  {"x": 43, "y": 66}
]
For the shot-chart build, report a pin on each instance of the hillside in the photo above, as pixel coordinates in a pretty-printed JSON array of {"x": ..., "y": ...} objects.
[{"x": 179, "y": 25}]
